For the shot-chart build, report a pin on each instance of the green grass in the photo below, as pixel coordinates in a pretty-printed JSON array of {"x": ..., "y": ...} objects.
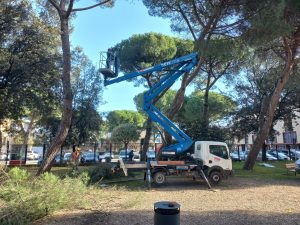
[
  {"x": 135, "y": 179},
  {"x": 277, "y": 172}
]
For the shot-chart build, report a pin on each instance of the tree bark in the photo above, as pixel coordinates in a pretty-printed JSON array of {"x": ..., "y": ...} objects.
[
  {"x": 179, "y": 98},
  {"x": 126, "y": 146},
  {"x": 147, "y": 138},
  {"x": 264, "y": 152},
  {"x": 67, "y": 98},
  {"x": 267, "y": 117},
  {"x": 205, "y": 110},
  {"x": 176, "y": 106},
  {"x": 1, "y": 136}
]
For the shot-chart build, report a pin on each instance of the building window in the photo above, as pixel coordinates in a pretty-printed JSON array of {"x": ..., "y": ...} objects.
[{"x": 290, "y": 137}]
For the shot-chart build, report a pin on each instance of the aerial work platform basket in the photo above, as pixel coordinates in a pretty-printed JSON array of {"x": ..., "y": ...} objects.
[{"x": 108, "y": 64}]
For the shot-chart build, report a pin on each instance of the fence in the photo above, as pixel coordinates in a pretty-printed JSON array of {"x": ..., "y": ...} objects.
[{"x": 17, "y": 154}]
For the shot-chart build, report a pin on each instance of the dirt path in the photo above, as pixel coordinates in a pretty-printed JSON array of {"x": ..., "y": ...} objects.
[{"x": 236, "y": 201}]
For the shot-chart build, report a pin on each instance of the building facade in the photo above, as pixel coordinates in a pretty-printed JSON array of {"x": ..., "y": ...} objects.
[{"x": 283, "y": 138}]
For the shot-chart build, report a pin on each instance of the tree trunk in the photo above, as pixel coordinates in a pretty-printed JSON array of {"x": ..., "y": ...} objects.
[
  {"x": 264, "y": 128},
  {"x": 126, "y": 146},
  {"x": 147, "y": 138},
  {"x": 264, "y": 152},
  {"x": 67, "y": 99},
  {"x": 0, "y": 137},
  {"x": 205, "y": 111},
  {"x": 179, "y": 98},
  {"x": 0, "y": 140},
  {"x": 176, "y": 105}
]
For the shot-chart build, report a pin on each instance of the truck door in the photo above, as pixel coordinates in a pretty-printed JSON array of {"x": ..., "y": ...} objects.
[{"x": 219, "y": 156}]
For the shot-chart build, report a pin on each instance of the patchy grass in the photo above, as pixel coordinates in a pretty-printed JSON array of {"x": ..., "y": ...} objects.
[
  {"x": 135, "y": 179},
  {"x": 24, "y": 199},
  {"x": 277, "y": 172}
]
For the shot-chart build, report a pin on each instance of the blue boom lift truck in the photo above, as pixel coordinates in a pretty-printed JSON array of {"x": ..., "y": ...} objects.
[{"x": 209, "y": 160}]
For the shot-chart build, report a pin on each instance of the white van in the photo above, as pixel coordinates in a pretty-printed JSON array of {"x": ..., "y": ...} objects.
[{"x": 136, "y": 157}]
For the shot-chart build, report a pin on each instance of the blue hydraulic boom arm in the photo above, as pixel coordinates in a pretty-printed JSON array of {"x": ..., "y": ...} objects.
[{"x": 174, "y": 69}]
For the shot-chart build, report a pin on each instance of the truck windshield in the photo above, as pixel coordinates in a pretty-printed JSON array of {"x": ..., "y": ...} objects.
[{"x": 219, "y": 150}]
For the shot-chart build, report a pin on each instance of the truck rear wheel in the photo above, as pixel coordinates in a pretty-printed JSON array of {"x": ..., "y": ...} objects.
[
  {"x": 159, "y": 178},
  {"x": 215, "y": 177}
]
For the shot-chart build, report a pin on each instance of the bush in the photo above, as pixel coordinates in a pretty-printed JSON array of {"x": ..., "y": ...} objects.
[
  {"x": 102, "y": 170},
  {"x": 27, "y": 199}
]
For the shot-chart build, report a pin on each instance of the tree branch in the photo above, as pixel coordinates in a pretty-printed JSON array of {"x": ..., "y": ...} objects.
[
  {"x": 297, "y": 40},
  {"x": 52, "y": 2},
  {"x": 197, "y": 15},
  {"x": 288, "y": 50},
  {"x": 70, "y": 8},
  {"x": 187, "y": 22},
  {"x": 90, "y": 7}
]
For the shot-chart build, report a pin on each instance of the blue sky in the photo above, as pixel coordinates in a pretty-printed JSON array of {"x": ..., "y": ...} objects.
[{"x": 98, "y": 29}]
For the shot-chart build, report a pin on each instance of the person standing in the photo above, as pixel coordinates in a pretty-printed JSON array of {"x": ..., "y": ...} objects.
[
  {"x": 131, "y": 155},
  {"x": 75, "y": 158},
  {"x": 109, "y": 58}
]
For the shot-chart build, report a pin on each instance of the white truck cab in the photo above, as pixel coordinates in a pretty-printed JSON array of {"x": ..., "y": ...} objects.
[
  {"x": 213, "y": 154},
  {"x": 214, "y": 158}
]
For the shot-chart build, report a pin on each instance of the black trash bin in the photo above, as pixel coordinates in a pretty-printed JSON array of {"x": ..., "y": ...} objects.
[{"x": 166, "y": 213}]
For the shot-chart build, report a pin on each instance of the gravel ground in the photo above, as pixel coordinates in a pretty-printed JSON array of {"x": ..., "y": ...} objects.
[{"x": 236, "y": 201}]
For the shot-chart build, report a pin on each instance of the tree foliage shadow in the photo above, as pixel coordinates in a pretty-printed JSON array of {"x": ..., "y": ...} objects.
[
  {"x": 183, "y": 183},
  {"x": 142, "y": 217}
]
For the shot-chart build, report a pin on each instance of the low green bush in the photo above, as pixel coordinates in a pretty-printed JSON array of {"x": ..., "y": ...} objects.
[
  {"x": 102, "y": 170},
  {"x": 27, "y": 198}
]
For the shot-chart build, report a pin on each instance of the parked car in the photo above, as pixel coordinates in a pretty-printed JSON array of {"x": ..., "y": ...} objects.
[
  {"x": 286, "y": 152},
  {"x": 88, "y": 157},
  {"x": 56, "y": 160},
  {"x": 122, "y": 154},
  {"x": 296, "y": 153},
  {"x": 151, "y": 154},
  {"x": 297, "y": 166},
  {"x": 4, "y": 157},
  {"x": 234, "y": 156},
  {"x": 268, "y": 156},
  {"x": 103, "y": 156},
  {"x": 32, "y": 156},
  {"x": 67, "y": 156},
  {"x": 136, "y": 157},
  {"x": 281, "y": 155}
]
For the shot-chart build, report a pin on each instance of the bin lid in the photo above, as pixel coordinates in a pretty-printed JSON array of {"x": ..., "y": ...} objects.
[{"x": 166, "y": 207}]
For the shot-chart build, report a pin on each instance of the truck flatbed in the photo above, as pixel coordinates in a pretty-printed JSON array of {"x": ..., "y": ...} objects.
[
  {"x": 171, "y": 163},
  {"x": 126, "y": 166}
]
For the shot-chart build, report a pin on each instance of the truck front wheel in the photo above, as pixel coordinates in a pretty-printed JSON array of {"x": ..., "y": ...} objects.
[
  {"x": 215, "y": 177},
  {"x": 159, "y": 178}
]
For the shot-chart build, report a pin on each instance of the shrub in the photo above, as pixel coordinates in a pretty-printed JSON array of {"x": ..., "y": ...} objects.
[
  {"x": 28, "y": 199},
  {"x": 102, "y": 170}
]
